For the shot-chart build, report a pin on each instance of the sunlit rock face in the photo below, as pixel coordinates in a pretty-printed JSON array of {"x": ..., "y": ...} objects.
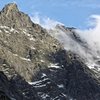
[
  {"x": 35, "y": 65},
  {"x": 25, "y": 47}
]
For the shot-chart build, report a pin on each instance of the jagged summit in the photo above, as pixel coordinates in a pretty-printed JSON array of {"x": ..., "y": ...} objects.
[
  {"x": 11, "y": 16},
  {"x": 11, "y": 7}
]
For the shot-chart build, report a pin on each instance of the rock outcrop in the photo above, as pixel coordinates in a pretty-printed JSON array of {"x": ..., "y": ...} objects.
[{"x": 23, "y": 49}]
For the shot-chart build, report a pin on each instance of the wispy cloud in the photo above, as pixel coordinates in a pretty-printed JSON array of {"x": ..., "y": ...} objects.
[{"x": 44, "y": 21}]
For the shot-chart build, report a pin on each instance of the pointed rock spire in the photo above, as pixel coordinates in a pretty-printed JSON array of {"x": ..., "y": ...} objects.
[
  {"x": 12, "y": 7},
  {"x": 11, "y": 16}
]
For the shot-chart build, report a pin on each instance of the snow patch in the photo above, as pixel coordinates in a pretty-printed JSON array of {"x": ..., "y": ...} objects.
[
  {"x": 11, "y": 30},
  {"x": 4, "y": 27},
  {"x": 7, "y": 31},
  {"x": 33, "y": 48},
  {"x": 37, "y": 82},
  {"x": 39, "y": 86},
  {"x": 60, "y": 86},
  {"x": 42, "y": 60},
  {"x": 8, "y": 28},
  {"x": 15, "y": 54},
  {"x": 64, "y": 95},
  {"x": 29, "y": 35},
  {"x": 31, "y": 39},
  {"x": 25, "y": 59},
  {"x": 21, "y": 57},
  {"x": 44, "y": 96},
  {"x": 53, "y": 66},
  {"x": 26, "y": 33},
  {"x": 43, "y": 75}
]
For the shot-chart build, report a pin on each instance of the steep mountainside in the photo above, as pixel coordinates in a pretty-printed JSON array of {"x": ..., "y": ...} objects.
[
  {"x": 35, "y": 66},
  {"x": 72, "y": 40}
]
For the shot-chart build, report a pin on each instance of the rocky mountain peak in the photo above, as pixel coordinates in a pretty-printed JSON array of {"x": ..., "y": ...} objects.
[
  {"x": 11, "y": 16},
  {"x": 12, "y": 7}
]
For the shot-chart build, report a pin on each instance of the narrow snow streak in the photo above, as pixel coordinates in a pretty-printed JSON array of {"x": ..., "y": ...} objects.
[
  {"x": 53, "y": 66},
  {"x": 21, "y": 57}
]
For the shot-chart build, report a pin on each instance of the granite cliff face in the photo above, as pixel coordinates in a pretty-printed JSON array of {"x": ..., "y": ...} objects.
[{"x": 35, "y": 66}]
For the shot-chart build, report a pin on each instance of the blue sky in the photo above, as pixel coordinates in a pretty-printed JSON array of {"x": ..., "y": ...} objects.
[{"x": 70, "y": 12}]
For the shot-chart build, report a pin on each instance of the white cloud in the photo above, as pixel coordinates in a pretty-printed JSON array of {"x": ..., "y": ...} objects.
[
  {"x": 92, "y": 37},
  {"x": 44, "y": 21},
  {"x": 35, "y": 18}
]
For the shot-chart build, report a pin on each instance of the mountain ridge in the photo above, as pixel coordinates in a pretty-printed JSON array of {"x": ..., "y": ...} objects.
[{"x": 35, "y": 66}]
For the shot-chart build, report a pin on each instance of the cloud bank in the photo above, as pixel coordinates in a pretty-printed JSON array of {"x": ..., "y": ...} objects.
[
  {"x": 89, "y": 49},
  {"x": 92, "y": 35}
]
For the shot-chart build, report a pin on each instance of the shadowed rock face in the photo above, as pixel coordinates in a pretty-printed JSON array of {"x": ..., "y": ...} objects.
[
  {"x": 3, "y": 96},
  {"x": 71, "y": 80},
  {"x": 16, "y": 89},
  {"x": 4, "y": 86},
  {"x": 35, "y": 66}
]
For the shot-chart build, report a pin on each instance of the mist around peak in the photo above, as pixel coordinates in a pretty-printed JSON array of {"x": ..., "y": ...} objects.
[{"x": 85, "y": 43}]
